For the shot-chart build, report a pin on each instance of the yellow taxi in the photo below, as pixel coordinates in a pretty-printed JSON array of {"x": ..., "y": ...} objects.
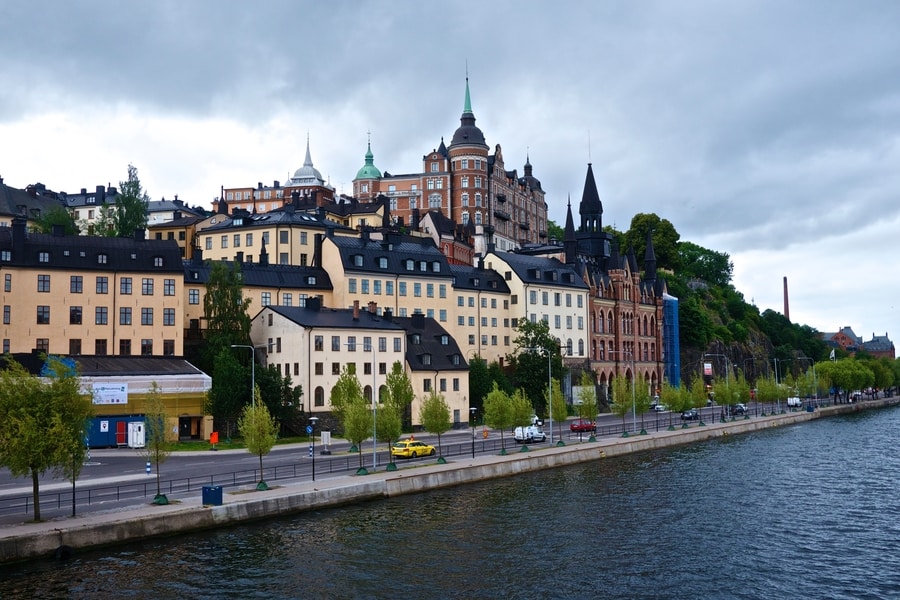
[{"x": 411, "y": 449}]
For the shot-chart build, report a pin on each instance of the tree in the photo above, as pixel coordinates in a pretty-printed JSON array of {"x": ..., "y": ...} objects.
[
  {"x": 498, "y": 413},
  {"x": 479, "y": 382},
  {"x": 587, "y": 407},
  {"x": 156, "y": 442},
  {"x": 278, "y": 393},
  {"x": 621, "y": 389},
  {"x": 641, "y": 401},
  {"x": 42, "y": 422},
  {"x": 390, "y": 426},
  {"x": 435, "y": 416},
  {"x": 131, "y": 205},
  {"x": 665, "y": 240},
  {"x": 554, "y": 231},
  {"x": 399, "y": 393},
  {"x": 715, "y": 268},
  {"x": 534, "y": 344},
  {"x": 57, "y": 216},
  {"x": 228, "y": 393},
  {"x": 559, "y": 410},
  {"x": 260, "y": 431},
  {"x": 225, "y": 309},
  {"x": 357, "y": 421},
  {"x": 346, "y": 391}
]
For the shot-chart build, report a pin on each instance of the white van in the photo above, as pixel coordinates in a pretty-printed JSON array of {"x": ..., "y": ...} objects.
[
  {"x": 794, "y": 402},
  {"x": 529, "y": 433}
]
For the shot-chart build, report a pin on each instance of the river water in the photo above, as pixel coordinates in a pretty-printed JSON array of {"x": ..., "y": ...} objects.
[{"x": 804, "y": 511}]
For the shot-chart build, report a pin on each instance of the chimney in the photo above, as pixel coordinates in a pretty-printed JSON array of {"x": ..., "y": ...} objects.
[
  {"x": 264, "y": 256},
  {"x": 787, "y": 309},
  {"x": 197, "y": 256},
  {"x": 418, "y": 320},
  {"x": 356, "y": 310},
  {"x": 277, "y": 184},
  {"x": 387, "y": 315},
  {"x": 373, "y": 309},
  {"x": 101, "y": 193},
  {"x": 314, "y": 303},
  {"x": 18, "y": 236}
]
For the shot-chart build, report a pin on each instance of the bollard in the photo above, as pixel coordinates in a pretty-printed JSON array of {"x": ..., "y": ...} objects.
[{"x": 148, "y": 467}]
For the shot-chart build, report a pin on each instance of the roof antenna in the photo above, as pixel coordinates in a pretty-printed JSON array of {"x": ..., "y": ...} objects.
[{"x": 589, "y": 146}]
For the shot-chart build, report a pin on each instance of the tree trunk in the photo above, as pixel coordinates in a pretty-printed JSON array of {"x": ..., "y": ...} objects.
[{"x": 35, "y": 490}]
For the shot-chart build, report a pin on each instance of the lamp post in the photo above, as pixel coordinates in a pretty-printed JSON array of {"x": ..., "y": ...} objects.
[
  {"x": 549, "y": 386},
  {"x": 374, "y": 406},
  {"x": 252, "y": 368},
  {"x": 472, "y": 411},
  {"x": 727, "y": 386},
  {"x": 311, "y": 429}
]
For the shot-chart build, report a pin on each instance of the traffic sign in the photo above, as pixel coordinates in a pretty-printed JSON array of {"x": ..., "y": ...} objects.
[{"x": 309, "y": 429}]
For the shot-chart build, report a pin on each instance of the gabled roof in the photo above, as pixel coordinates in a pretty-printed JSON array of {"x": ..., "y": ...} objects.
[
  {"x": 541, "y": 270},
  {"x": 397, "y": 252},
  {"x": 313, "y": 315},
  {"x": 99, "y": 366},
  {"x": 467, "y": 277},
  {"x": 86, "y": 252},
  {"x": 429, "y": 347},
  {"x": 30, "y": 203},
  {"x": 284, "y": 216},
  {"x": 267, "y": 276}
]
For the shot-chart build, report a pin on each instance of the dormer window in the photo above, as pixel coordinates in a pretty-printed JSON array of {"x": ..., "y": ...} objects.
[
  {"x": 44, "y": 257},
  {"x": 102, "y": 259},
  {"x": 91, "y": 200},
  {"x": 238, "y": 221},
  {"x": 455, "y": 359},
  {"x": 410, "y": 264},
  {"x": 445, "y": 340},
  {"x": 416, "y": 338},
  {"x": 311, "y": 280},
  {"x": 358, "y": 260},
  {"x": 157, "y": 261},
  {"x": 382, "y": 262},
  {"x": 426, "y": 359},
  {"x": 436, "y": 267}
]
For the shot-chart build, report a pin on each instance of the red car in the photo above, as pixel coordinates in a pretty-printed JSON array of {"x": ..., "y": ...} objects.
[{"x": 583, "y": 426}]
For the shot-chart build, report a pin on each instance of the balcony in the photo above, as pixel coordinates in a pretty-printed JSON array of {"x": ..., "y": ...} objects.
[
  {"x": 501, "y": 197},
  {"x": 542, "y": 233},
  {"x": 501, "y": 214},
  {"x": 524, "y": 225}
]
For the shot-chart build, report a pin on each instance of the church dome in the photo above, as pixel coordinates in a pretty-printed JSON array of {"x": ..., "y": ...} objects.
[
  {"x": 467, "y": 133},
  {"x": 369, "y": 170},
  {"x": 307, "y": 174}
]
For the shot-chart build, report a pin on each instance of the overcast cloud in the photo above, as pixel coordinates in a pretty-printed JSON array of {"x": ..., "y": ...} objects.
[{"x": 766, "y": 130}]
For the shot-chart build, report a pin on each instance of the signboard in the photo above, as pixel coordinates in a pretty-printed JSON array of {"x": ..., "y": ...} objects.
[
  {"x": 707, "y": 369},
  {"x": 110, "y": 393},
  {"x": 104, "y": 426}
]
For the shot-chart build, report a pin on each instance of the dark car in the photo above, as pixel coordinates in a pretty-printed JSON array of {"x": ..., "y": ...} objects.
[
  {"x": 737, "y": 409},
  {"x": 690, "y": 415},
  {"x": 583, "y": 426}
]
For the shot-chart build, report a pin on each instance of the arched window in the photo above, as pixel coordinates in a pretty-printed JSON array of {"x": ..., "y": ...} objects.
[{"x": 320, "y": 396}]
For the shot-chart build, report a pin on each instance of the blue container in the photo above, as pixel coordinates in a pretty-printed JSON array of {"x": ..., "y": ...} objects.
[{"x": 212, "y": 495}]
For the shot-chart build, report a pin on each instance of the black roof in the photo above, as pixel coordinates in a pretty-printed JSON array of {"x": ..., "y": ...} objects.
[
  {"x": 429, "y": 347},
  {"x": 270, "y": 276},
  {"x": 313, "y": 315},
  {"x": 95, "y": 366},
  {"x": 542, "y": 270},
  {"x": 400, "y": 251},
  {"x": 474, "y": 278},
  {"x": 31, "y": 202}
]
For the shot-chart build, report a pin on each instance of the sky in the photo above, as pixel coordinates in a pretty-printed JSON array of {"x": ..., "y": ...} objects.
[{"x": 767, "y": 130}]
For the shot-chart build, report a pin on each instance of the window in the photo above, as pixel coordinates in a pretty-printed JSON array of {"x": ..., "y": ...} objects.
[
  {"x": 158, "y": 260},
  {"x": 209, "y": 243},
  {"x": 283, "y": 237},
  {"x": 398, "y": 344},
  {"x": 100, "y": 347},
  {"x": 5, "y": 255},
  {"x": 460, "y": 320},
  {"x": 426, "y": 386},
  {"x": 442, "y": 315},
  {"x": 168, "y": 347},
  {"x": 43, "y": 284},
  {"x": 42, "y": 344},
  {"x": 169, "y": 316},
  {"x": 351, "y": 343},
  {"x": 335, "y": 343},
  {"x": 44, "y": 257},
  {"x": 7, "y": 314},
  {"x": 429, "y": 290},
  {"x": 146, "y": 286},
  {"x": 442, "y": 290},
  {"x": 364, "y": 288},
  {"x": 168, "y": 287},
  {"x": 401, "y": 288},
  {"x": 464, "y": 182},
  {"x": 224, "y": 241},
  {"x": 76, "y": 284},
  {"x": 101, "y": 315},
  {"x": 460, "y": 301},
  {"x": 417, "y": 290},
  {"x": 146, "y": 316},
  {"x": 351, "y": 285},
  {"x": 442, "y": 384},
  {"x": 124, "y": 347},
  {"x": 389, "y": 288},
  {"x": 382, "y": 262},
  {"x": 101, "y": 259},
  {"x": 124, "y": 315},
  {"x": 237, "y": 240},
  {"x": 319, "y": 343},
  {"x": 146, "y": 347},
  {"x": 319, "y": 368},
  {"x": 248, "y": 239},
  {"x": 266, "y": 298},
  {"x": 125, "y": 285},
  {"x": 7, "y": 282},
  {"x": 382, "y": 344},
  {"x": 43, "y": 315},
  {"x": 74, "y": 347},
  {"x": 456, "y": 384},
  {"x": 376, "y": 287},
  {"x": 287, "y": 299},
  {"x": 75, "y": 315},
  {"x": 335, "y": 368},
  {"x": 194, "y": 296}
]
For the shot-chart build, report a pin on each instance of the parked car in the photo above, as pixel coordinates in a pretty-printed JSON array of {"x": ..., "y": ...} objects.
[
  {"x": 794, "y": 402},
  {"x": 583, "y": 426},
  {"x": 411, "y": 449},
  {"x": 690, "y": 415},
  {"x": 660, "y": 408},
  {"x": 739, "y": 409},
  {"x": 528, "y": 434}
]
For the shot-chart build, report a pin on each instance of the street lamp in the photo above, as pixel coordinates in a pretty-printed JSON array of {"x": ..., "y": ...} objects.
[
  {"x": 473, "y": 410},
  {"x": 549, "y": 386},
  {"x": 252, "y": 368},
  {"x": 727, "y": 386},
  {"x": 311, "y": 429},
  {"x": 374, "y": 404}
]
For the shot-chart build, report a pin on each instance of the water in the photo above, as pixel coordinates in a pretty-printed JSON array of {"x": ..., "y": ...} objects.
[{"x": 804, "y": 511}]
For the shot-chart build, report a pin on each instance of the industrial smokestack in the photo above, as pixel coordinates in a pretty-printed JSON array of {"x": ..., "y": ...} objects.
[{"x": 787, "y": 306}]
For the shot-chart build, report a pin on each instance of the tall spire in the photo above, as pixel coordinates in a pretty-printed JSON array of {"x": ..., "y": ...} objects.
[
  {"x": 307, "y": 162},
  {"x": 570, "y": 242},
  {"x": 467, "y": 107}
]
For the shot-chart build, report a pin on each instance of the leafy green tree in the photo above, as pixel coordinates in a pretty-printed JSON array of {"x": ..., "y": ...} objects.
[
  {"x": 522, "y": 409},
  {"x": 57, "y": 216},
  {"x": 105, "y": 223},
  {"x": 533, "y": 344},
  {"x": 767, "y": 391},
  {"x": 677, "y": 399},
  {"x": 665, "y": 240},
  {"x": 279, "y": 394},
  {"x": 42, "y": 423},
  {"x": 699, "y": 395},
  {"x": 399, "y": 393},
  {"x": 346, "y": 391},
  {"x": 621, "y": 393},
  {"x": 131, "y": 205},
  {"x": 587, "y": 407},
  {"x": 390, "y": 426},
  {"x": 641, "y": 399},
  {"x": 260, "y": 431},
  {"x": 554, "y": 231},
  {"x": 498, "y": 412},
  {"x": 435, "y": 416},
  {"x": 226, "y": 310},
  {"x": 716, "y": 268},
  {"x": 228, "y": 393},
  {"x": 479, "y": 382},
  {"x": 156, "y": 436},
  {"x": 559, "y": 409},
  {"x": 357, "y": 422}
]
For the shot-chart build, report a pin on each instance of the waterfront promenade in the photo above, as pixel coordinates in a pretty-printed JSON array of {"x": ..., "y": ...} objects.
[{"x": 35, "y": 540}]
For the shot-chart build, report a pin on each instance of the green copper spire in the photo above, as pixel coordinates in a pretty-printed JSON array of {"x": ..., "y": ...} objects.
[{"x": 468, "y": 106}]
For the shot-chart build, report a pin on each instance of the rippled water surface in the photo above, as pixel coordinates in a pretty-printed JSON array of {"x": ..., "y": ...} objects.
[{"x": 805, "y": 511}]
